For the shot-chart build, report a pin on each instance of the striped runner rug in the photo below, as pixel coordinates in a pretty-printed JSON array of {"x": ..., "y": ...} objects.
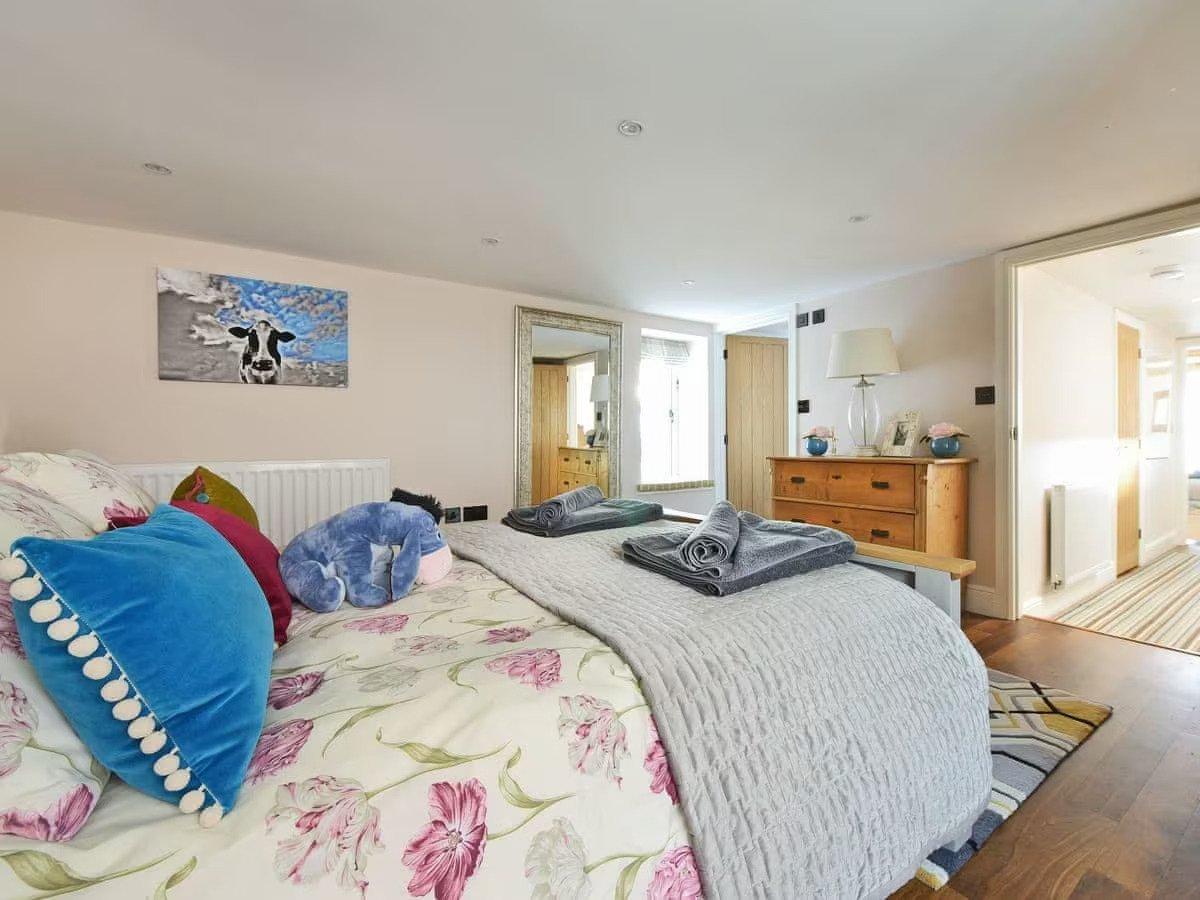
[{"x": 1156, "y": 604}]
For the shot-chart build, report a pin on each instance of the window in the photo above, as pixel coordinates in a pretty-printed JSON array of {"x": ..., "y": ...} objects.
[
  {"x": 581, "y": 411},
  {"x": 673, "y": 396}
]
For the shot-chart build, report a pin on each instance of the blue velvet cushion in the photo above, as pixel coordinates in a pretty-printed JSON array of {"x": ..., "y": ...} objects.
[{"x": 156, "y": 643}]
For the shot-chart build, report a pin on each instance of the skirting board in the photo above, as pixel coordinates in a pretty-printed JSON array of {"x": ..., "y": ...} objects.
[
  {"x": 982, "y": 600},
  {"x": 1152, "y": 550},
  {"x": 1083, "y": 585}
]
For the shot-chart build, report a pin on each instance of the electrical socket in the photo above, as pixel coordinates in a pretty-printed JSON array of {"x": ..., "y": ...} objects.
[
  {"x": 474, "y": 513},
  {"x": 453, "y": 515}
]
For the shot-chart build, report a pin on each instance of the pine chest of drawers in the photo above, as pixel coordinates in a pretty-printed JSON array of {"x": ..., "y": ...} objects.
[
  {"x": 581, "y": 466},
  {"x": 917, "y": 503}
]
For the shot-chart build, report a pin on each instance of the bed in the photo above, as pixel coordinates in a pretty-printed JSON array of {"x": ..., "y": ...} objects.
[{"x": 470, "y": 741}]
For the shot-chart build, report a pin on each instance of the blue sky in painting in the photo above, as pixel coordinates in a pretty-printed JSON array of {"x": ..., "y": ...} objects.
[{"x": 317, "y": 316}]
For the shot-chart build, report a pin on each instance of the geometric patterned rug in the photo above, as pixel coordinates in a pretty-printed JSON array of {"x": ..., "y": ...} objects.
[
  {"x": 1034, "y": 728},
  {"x": 1156, "y": 604}
]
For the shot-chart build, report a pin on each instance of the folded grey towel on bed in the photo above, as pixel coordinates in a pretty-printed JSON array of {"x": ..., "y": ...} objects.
[
  {"x": 711, "y": 544},
  {"x": 766, "y": 550},
  {"x": 550, "y": 512},
  {"x": 619, "y": 512}
]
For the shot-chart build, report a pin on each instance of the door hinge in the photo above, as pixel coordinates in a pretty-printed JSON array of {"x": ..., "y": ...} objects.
[
  {"x": 1012, "y": 432},
  {"x": 724, "y": 354},
  {"x": 726, "y": 440},
  {"x": 1139, "y": 534}
]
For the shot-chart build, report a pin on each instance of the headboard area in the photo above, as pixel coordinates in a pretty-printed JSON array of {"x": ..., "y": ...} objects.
[{"x": 288, "y": 496}]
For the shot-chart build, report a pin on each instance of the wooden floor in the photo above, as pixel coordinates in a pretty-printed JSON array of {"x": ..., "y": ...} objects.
[{"x": 1121, "y": 816}]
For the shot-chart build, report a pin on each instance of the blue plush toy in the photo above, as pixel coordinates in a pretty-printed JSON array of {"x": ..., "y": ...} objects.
[{"x": 369, "y": 554}]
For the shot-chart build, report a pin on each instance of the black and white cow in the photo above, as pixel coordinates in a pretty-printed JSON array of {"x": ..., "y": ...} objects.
[{"x": 260, "y": 360}]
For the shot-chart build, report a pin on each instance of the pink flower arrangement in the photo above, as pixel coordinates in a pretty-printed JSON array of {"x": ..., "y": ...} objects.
[
  {"x": 278, "y": 746},
  {"x": 18, "y": 721},
  {"x": 661, "y": 780},
  {"x": 334, "y": 827},
  {"x": 60, "y": 822},
  {"x": 824, "y": 432},
  {"x": 536, "y": 668},
  {"x": 675, "y": 877},
  {"x": 512, "y": 635},
  {"x": 388, "y": 624},
  {"x": 944, "y": 429},
  {"x": 291, "y": 689},
  {"x": 596, "y": 738},
  {"x": 446, "y": 852}
]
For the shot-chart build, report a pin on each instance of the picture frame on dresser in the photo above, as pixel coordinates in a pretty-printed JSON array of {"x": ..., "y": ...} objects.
[{"x": 900, "y": 435}]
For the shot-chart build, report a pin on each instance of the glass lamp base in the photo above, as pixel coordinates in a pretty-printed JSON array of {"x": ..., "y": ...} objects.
[{"x": 863, "y": 418}]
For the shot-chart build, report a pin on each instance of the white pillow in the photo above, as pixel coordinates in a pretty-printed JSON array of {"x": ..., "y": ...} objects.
[
  {"x": 84, "y": 483},
  {"x": 49, "y": 780}
]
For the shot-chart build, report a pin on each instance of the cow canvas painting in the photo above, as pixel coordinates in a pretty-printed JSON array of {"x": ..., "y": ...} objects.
[{"x": 249, "y": 331}]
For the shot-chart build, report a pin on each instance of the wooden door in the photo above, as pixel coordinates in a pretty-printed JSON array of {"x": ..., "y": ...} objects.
[
  {"x": 549, "y": 428},
  {"x": 1128, "y": 447},
  {"x": 755, "y": 418}
]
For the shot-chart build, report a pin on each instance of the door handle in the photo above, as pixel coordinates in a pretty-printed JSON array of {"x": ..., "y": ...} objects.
[
  {"x": 797, "y": 479},
  {"x": 880, "y": 532},
  {"x": 880, "y": 485}
]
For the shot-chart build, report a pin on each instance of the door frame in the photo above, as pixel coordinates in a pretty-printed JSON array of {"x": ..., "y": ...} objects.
[
  {"x": 789, "y": 382},
  {"x": 1121, "y": 317},
  {"x": 1008, "y": 363}
]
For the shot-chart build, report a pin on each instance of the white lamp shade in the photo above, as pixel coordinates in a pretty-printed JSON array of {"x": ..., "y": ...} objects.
[
  {"x": 864, "y": 351},
  {"x": 600, "y": 388}
]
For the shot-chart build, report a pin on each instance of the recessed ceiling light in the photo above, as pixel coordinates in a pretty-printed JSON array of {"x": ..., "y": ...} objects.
[
  {"x": 687, "y": 283},
  {"x": 1167, "y": 273},
  {"x": 489, "y": 241},
  {"x": 858, "y": 219},
  {"x": 630, "y": 127},
  {"x": 156, "y": 169}
]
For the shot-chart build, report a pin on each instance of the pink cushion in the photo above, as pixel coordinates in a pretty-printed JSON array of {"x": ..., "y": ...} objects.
[{"x": 259, "y": 554}]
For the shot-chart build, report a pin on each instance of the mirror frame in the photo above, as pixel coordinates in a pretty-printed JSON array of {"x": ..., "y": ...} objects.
[{"x": 527, "y": 317}]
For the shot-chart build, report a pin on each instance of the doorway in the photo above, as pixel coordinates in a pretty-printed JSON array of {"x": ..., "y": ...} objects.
[
  {"x": 756, "y": 420},
  {"x": 1129, "y": 531}
]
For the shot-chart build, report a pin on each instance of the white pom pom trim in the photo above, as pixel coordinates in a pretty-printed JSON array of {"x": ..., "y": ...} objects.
[
  {"x": 191, "y": 801},
  {"x": 98, "y": 667},
  {"x": 25, "y": 589},
  {"x": 115, "y": 690},
  {"x": 64, "y": 629},
  {"x": 211, "y": 815},
  {"x": 48, "y": 611},
  {"x": 152, "y": 743},
  {"x": 12, "y": 568},
  {"x": 45, "y": 611}
]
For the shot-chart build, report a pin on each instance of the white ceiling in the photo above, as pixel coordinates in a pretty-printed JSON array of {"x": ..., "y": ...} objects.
[
  {"x": 1120, "y": 277},
  {"x": 397, "y": 134},
  {"x": 560, "y": 343}
]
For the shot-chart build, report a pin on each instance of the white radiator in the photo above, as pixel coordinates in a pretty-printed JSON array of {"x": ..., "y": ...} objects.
[
  {"x": 288, "y": 496},
  {"x": 1081, "y": 526}
]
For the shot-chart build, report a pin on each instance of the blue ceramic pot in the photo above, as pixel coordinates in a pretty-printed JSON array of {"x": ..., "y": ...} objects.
[
  {"x": 816, "y": 446},
  {"x": 945, "y": 447}
]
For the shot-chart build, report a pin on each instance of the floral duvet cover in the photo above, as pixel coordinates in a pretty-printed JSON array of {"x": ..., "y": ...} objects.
[{"x": 462, "y": 742}]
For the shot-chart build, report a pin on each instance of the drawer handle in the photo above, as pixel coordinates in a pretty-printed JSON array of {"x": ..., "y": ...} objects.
[
  {"x": 880, "y": 485},
  {"x": 797, "y": 479},
  {"x": 880, "y": 532},
  {"x": 837, "y": 521},
  {"x": 801, "y": 521},
  {"x": 836, "y": 477}
]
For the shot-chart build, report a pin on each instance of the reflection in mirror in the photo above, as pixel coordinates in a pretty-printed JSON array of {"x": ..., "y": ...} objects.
[{"x": 568, "y": 420}]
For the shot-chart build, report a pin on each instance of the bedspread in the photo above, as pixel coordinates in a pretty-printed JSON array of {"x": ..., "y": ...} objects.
[
  {"x": 827, "y": 731},
  {"x": 463, "y": 742}
]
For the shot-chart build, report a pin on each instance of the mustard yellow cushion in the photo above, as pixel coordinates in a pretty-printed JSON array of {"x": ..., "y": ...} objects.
[{"x": 205, "y": 486}]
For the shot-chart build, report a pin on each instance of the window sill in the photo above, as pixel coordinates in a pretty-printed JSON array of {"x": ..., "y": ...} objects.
[{"x": 670, "y": 486}]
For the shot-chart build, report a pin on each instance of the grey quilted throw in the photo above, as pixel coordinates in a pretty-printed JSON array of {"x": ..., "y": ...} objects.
[
  {"x": 764, "y": 551},
  {"x": 826, "y": 731}
]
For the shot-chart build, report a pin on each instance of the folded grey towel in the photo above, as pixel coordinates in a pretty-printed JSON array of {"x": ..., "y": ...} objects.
[
  {"x": 619, "y": 512},
  {"x": 550, "y": 512},
  {"x": 766, "y": 550},
  {"x": 711, "y": 544}
]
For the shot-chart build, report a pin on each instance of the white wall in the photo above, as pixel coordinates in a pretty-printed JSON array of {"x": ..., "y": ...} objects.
[
  {"x": 431, "y": 365},
  {"x": 943, "y": 323}
]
